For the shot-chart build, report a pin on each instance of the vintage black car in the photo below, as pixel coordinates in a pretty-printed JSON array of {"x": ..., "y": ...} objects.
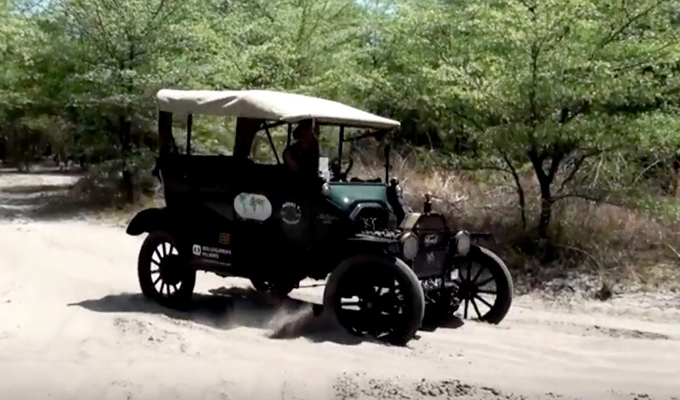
[{"x": 234, "y": 217}]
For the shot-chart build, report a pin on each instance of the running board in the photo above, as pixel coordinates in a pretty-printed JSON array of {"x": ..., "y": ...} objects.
[{"x": 211, "y": 266}]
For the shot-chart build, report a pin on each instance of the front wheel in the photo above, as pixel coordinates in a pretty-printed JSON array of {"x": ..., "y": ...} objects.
[
  {"x": 484, "y": 286},
  {"x": 164, "y": 275},
  {"x": 377, "y": 296}
]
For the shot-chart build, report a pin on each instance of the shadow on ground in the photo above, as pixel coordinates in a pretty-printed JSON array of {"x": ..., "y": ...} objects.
[
  {"x": 43, "y": 168},
  {"x": 49, "y": 195},
  {"x": 229, "y": 308},
  {"x": 44, "y": 205},
  {"x": 433, "y": 321}
]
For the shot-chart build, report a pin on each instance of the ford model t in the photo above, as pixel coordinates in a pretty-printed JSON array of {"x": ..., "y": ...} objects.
[{"x": 276, "y": 225}]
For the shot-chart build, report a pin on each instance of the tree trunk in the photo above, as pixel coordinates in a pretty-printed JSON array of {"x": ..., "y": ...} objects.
[
  {"x": 3, "y": 148},
  {"x": 128, "y": 186},
  {"x": 546, "y": 216},
  {"x": 125, "y": 137},
  {"x": 546, "y": 205},
  {"x": 545, "y": 181},
  {"x": 675, "y": 177},
  {"x": 520, "y": 192}
]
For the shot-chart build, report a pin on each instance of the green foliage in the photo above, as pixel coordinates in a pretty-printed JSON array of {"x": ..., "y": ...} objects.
[
  {"x": 581, "y": 94},
  {"x": 552, "y": 84}
]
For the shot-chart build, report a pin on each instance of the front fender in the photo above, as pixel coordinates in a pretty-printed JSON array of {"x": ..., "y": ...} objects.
[{"x": 148, "y": 220}]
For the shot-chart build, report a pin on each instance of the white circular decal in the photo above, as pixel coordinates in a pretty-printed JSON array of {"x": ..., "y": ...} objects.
[
  {"x": 252, "y": 206},
  {"x": 196, "y": 249}
]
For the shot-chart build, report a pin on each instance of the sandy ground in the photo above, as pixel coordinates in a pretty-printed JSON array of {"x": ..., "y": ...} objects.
[{"x": 74, "y": 326}]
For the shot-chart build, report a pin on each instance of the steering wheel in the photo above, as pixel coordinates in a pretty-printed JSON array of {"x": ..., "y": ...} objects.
[{"x": 336, "y": 169}]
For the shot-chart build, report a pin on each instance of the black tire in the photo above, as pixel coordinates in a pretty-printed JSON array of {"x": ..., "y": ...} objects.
[
  {"x": 359, "y": 276},
  {"x": 161, "y": 267},
  {"x": 473, "y": 286}
]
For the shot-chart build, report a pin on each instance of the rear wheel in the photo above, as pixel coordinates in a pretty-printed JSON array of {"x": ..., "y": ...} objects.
[
  {"x": 376, "y": 296},
  {"x": 163, "y": 273},
  {"x": 484, "y": 286}
]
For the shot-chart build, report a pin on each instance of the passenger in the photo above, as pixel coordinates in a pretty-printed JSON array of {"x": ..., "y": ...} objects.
[{"x": 302, "y": 157}]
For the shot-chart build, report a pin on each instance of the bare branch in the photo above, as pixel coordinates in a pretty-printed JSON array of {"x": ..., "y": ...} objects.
[
  {"x": 583, "y": 196},
  {"x": 467, "y": 118},
  {"x": 98, "y": 35},
  {"x": 566, "y": 22},
  {"x": 577, "y": 165},
  {"x": 641, "y": 174},
  {"x": 302, "y": 25},
  {"x": 647, "y": 58},
  {"x": 673, "y": 250},
  {"x": 159, "y": 19},
  {"x": 150, "y": 21},
  {"x": 631, "y": 21},
  {"x": 160, "y": 7},
  {"x": 520, "y": 190},
  {"x": 486, "y": 168},
  {"x": 576, "y": 249}
]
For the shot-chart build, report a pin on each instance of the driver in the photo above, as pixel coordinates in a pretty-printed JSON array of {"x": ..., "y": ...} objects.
[{"x": 302, "y": 157}]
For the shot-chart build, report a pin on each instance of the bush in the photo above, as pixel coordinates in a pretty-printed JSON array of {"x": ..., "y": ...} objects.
[{"x": 104, "y": 183}]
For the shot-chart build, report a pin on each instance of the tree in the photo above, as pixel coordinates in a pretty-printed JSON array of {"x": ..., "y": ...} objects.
[
  {"x": 304, "y": 46},
  {"x": 20, "y": 39},
  {"x": 125, "y": 51},
  {"x": 553, "y": 84}
]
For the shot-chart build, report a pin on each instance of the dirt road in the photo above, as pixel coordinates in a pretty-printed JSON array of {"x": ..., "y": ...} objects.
[{"x": 73, "y": 326}]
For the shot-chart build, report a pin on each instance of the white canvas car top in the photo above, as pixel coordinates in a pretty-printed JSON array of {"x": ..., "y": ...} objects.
[{"x": 268, "y": 105}]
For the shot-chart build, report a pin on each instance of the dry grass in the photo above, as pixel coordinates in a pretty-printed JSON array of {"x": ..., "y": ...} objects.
[{"x": 623, "y": 245}]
